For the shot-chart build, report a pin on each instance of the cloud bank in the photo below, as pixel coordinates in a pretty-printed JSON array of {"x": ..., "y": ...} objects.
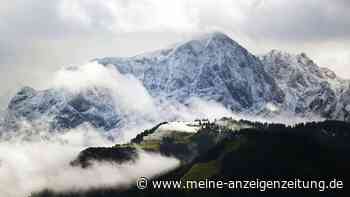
[
  {"x": 126, "y": 89},
  {"x": 34, "y": 164}
]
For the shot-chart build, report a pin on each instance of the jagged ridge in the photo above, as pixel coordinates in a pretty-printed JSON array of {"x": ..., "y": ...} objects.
[{"x": 212, "y": 67}]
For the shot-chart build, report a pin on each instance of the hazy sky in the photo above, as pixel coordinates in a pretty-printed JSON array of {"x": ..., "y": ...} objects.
[{"x": 37, "y": 37}]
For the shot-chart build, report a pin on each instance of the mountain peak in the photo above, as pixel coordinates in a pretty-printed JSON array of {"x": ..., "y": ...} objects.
[
  {"x": 198, "y": 44},
  {"x": 216, "y": 37},
  {"x": 24, "y": 93},
  {"x": 195, "y": 44},
  {"x": 279, "y": 53},
  {"x": 289, "y": 58}
]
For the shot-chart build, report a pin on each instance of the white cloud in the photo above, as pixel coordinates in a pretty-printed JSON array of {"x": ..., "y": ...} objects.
[
  {"x": 128, "y": 16},
  {"x": 34, "y": 164},
  {"x": 128, "y": 92}
]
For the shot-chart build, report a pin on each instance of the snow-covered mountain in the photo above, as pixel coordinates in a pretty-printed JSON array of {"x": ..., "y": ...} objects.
[
  {"x": 212, "y": 67},
  {"x": 62, "y": 109},
  {"x": 308, "y": 88}
]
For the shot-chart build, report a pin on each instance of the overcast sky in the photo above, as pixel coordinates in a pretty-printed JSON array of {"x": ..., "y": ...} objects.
[{"x": 38, "y": 37}]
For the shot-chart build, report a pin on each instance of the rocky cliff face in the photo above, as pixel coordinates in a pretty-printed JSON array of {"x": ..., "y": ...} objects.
[
  {"x": 211, "y": 67},
  {"x": 308, "y": 88}
]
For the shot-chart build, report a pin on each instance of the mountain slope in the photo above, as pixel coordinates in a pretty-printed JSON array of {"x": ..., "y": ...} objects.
[
  {"x": 309, "y": 89},
  {"x": 61, "y": 109},
  {"x": 213, "y": 67}
]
